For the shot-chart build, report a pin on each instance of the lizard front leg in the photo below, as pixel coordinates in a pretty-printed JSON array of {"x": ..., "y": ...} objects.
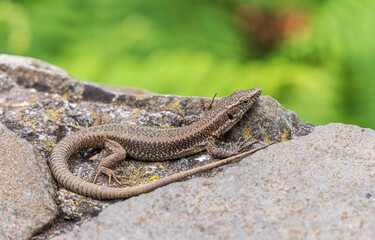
[
  {"x": 220, "y": 152},
  {"x": 118, "y": 154}
]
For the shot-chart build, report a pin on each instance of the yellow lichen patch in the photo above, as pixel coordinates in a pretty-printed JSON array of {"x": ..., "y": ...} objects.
[
  {"x": 135, "y": 110},
  {"x": 93, "y": 204},
  {"x": 120, "y": 103},
  {"x": 154, "y": 177},
  {"x": 68, "y": 97},
  {"x": 52, "y": 115},
  {"x": 174, "y": 107},
  {"x": 28, "y": 120},
  {"x": 55, "y": 91},
  {"x": 136, "y": 173},
  {"x": 247, "y": 131},
  {"x": 166, "y": 126},
  {"x": 285, "y": 135},
  {"x": 77, "y": 202},
  {"x": 49, "y": 143},
  {"x": 247, "y": 134},
  {"x": 266, "y": 140}
]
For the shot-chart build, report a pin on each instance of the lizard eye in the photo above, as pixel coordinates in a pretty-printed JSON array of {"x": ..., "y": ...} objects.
[{"x": 230, "y": 116}]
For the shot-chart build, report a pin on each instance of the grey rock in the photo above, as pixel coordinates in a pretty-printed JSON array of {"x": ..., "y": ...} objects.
[
  {"x": 35, "y": 97},
  {"x": 13, "y": 62},
  {"x": 6, "y": 82},
  {"x": 267, "y": 121},
  {"x": 315, "y": 186},
  {"x": 26, "y": 202}
]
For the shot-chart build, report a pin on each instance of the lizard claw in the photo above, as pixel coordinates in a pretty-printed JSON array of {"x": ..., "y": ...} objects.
[
  {"x": 102, "y": 119},
  {"x": 110, "y": 173},
  {"x": 95, "y": 157},
  {"x": 242, "y": 146},
  {"x": 113, "y": 175},
  {"x": 245, "y": 144}
]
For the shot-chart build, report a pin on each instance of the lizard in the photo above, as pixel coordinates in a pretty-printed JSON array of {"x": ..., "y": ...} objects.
[{"x": 153, "y": 144}]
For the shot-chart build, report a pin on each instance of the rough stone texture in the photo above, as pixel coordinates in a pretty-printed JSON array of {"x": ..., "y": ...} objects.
[
  {"x": 317, "y": 186},
  {"x": 267, "y": 121},
  {"x": 36, "y": 96},
  {"x": 26, "y": 202}
]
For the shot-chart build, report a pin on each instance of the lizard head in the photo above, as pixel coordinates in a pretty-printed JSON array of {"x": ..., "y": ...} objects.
[
  {"x": 240, "y": 101},
  {"x": 231, "y": 108}
]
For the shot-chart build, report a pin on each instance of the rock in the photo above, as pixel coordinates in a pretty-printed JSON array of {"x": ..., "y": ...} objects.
[
  {"x": 26, "y": 191},
  {"x": 267, "y": 121},
  {"x": 316, "y": 186},
  {"x": 35, "y": 97}
]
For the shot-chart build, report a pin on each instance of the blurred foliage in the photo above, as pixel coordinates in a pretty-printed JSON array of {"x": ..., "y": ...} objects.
[{"x": 316, "y": 57}]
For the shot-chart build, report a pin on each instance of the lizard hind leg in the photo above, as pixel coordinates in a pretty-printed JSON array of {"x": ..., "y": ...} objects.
[{"x": 118, "y": 154}]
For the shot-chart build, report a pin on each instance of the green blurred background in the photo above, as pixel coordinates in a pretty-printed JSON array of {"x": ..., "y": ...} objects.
[{"x": 315, "y": 57}]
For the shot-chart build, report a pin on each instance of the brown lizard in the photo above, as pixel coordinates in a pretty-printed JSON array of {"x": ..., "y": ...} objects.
[{"x": 153, "y": 144}]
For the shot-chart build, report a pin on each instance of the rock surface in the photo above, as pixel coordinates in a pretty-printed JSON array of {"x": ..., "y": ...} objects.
[
  {"x": 26, "y": 190},
  {"x": 317, "y": 186}
]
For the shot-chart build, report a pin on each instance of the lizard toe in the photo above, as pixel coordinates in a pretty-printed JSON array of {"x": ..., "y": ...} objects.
[{"x": 110, "y": 173}]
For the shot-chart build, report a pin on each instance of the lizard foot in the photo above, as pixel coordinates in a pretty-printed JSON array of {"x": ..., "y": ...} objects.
[
  {"x": 102, "y": 119},
  {"x": 244, "y": 145},
  {"x": 110, "y": 173},
  {"x": 95, "y": 157},
  {"x": 234, "y": 149}
]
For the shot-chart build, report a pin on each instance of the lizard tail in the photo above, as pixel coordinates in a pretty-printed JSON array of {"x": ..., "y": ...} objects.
[{"x": 75, "y": 142}]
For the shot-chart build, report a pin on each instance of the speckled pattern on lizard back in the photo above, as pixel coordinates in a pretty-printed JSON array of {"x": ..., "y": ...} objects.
[{"x": 152, "y": 144}]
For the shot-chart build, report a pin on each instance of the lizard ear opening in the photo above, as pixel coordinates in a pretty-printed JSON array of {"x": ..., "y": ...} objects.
[{"x": 230, "y": 116}]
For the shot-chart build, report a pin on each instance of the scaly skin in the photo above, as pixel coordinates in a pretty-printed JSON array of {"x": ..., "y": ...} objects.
[{"x": 152, "y": 144}]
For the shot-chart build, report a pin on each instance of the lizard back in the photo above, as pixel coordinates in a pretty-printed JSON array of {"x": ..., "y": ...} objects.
[{"x": 148, "y": 143}]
